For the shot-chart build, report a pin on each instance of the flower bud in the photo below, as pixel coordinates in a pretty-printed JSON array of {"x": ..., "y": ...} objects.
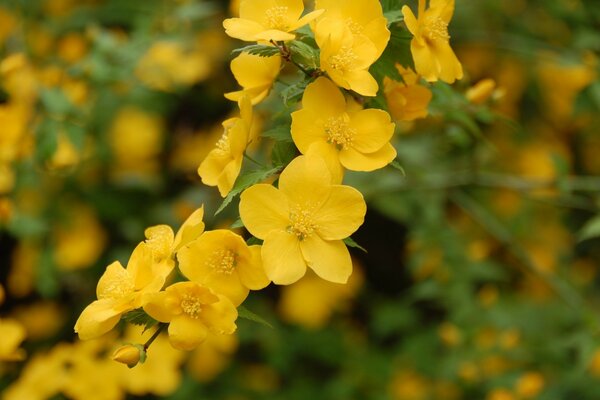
[{"x": 130, "y": 355}]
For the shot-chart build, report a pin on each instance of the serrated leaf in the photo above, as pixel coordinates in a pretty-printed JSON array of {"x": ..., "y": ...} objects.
[
  {"x": 283, "y": 153},
  {"x": 244, "y": 181},
  {"x": 260, "y": 50},
  {"x": 280, "y": 133},
  {"x": 140, "y": 318},
  {"x": 244, "y": 313},
  {"x": 304, "y": 54},
  {"x": 590, "y": 230},
  {"x": 293, "y": 93},
  {"x": 351, "y": 243},
  {"x": 396, "y": 165}
]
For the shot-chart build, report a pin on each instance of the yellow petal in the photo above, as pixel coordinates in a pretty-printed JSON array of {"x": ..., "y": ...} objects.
[
  {"x": 450, "y": 67},
  {"x": 251, "y": 272},
  {"x": 311, "y": 16},
  {"x": 342, "y": 214},
  {"x": 229, "y": 175},
  {"x": 410, "y": 20},
  {"x": 331, "y": 155},
  {"x": 426, "y": 64},
  {"x": 242, "y": 29},
  {"x": 190, "y": 229},
  {"x": 159, "y": 239},
  {"x": 115, "y": 282},
  {"x": 245, "y": 107},
  {"x": 256, "y": 94},
  {"x": 373, "y": 129},
  {"x": 99, "y": 317},
  {"x": 362, "y": 82},
  {"x": 378, "y": 33},
  {"x": 186, "y": 333},
  {"x": 324, "y": 98},
  {"x": 252, "y": 71},
  {"x": 443, "y": 8},
  {"x": 282, "y": 258},
  {"x": 329, "y": 259},
  {"x": 140, "y": 266},
  {"x": 306, "y": 181},
  {"x": 220, "y": 317},
  {"x": 275, "y": 35},
  {"x": 357, "y": 161},
  {"x": 264, "y": 208},
  {"x": 307, "y": 128},
  {"x": 255, "y": 10},
  {"x": 160, "y": 306},
  {"x": 213, "y": 165}
]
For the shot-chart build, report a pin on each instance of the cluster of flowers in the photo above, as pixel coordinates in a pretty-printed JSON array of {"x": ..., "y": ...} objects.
[{"x": 303, "y": 221}]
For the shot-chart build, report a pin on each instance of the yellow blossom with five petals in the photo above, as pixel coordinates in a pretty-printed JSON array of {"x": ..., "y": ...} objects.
[
  {"x": 430, "y": 47},
  {"x": 358, "y": 140},
  {"x": 222, "y": 165},
  {"x": 255, "y": 74},
  {"x": 303, "y": 222},
  {"x": 266, "y": 20},
  {"x": 192, "y": 310},
  {"x": 222, "y": 260}
]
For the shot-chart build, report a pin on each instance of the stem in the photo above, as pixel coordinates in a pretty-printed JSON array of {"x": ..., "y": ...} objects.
[
  {"x": 161, "y": 327},
  {"x": 286, "y": 54}
]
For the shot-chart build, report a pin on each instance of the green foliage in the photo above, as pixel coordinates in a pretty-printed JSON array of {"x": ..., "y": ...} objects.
[
  {"x": 140, "y": 318},
  {"x": 257, "y": 50},
  {"x": 244, "y": 313},
  {"x": 246, "y": 180}
]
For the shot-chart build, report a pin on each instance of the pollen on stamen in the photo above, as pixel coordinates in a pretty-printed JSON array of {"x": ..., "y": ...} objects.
[
  {"x": 301, "y": 223},
  {"x": 223, "y": 261},
  {"x": 117, "y": 287},
  {"x": 276, "y": 18},
  {"x": 338, "y": 132},
  {"x": 343, "y": 60},
  {"x": 191, "y": 306},
  {"x": 354, "y": 27},
  {"x": 436, "y": 28},
  {"x": 223, "y": 143}
]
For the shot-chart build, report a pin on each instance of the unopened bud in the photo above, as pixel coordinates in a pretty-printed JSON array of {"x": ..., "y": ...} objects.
[{"x": 130, "y": 355}]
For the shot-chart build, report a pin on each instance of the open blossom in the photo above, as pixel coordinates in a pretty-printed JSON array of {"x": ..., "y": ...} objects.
[
  {"x": 266, "y": 20},
  {"x": 356, "y": 139},
  {"x": 346, "y": 57},
  {"x": 362, "y": 17},
  {"x": 223, "y": 164},
  {"x": 430, "y": 46},
  {"x": 303, "y": 222},
  {"x": 121, "y": 290},
  {"x": 191, "y": 310},
  {"x": 255, "y": 74},
  {"x": 222, "y": 260},
  {"x": 406, "y": 100}
]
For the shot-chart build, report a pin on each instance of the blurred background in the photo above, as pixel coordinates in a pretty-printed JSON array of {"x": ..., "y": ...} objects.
[{"x": 481, "y": 277}]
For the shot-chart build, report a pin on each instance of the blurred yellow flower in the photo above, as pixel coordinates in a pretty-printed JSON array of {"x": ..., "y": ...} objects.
[
  {"x": 12, "y": 334},
  {"x": 120, "y": 290},
  {"x": 266, "y": 20},
  {"x": 255, "y": 74},
  {"x": 500, "y": 394},
  {"x": 41, "y": 319},
  {"x": 212, "y": 356},
  {"x": 345, "y": 57},
  {"x": 406, "y": 100},
  {"x": 222, "y": 261},
  {"x": 481, "y": 91},
  {"x": 434, "y": 58},
  {"x": 191, "y": 311},
  {"x": 223, "y": 164},
  {"x": 529, "y": 385},
  {"x": 303, "y": 222},
  {"x": 355, "y": 139},
  {"x": 65, "y": 155}
]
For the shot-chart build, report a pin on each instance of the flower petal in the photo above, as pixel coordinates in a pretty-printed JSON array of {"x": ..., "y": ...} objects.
[
  {"x": 251, "y": 271},
  {"x": 373, "y": 130},
  {"x": 331, "y": 155},
  {"x": 324, "y": 98},
  {"x": 282, "y": 258},
  {"x": 426, "y": 64},
  {"x": 410, "y": 20},
  {"x": 186, "y": 333},
  {"x": 450, "y": 67},
  {"x": 229, "y": 175},
  {"x": 212, "y": 166},
  {"x": 190, "y": 229},
  {"x": 220, "y": 317},
  {"x": 329, "y": 259},
  {"x": 263, "y": 208},
  {"x": 311, "y": 16},
  {"x": 116, "y": 280},
  {"x": 99, "y": 317},
  {"x": 306, "y": 181},
  {"x": 242, "y": 29},
  {"x": 160, "y": 306},
  {"x": 356, "y": 161},
  {"x": 342, "y": 214},
  {"x": 362, "y": 82}
]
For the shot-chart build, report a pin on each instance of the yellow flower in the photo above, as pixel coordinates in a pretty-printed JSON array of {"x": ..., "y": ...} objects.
[
  {"x": 346, "y": 57},
  {"x": 165, "y": 244},
  {"x": 191, "y": 311},
  {"x": 12, "y": 334},
  {"x": 355, "y": 139},
  {"x": 430, "y": 47},
  {"x": 223, "y": 164},
  {"x": 266, "y": 20},
  {"x": 407, "y": 101},
  {"x": 363, "y": 17},
  {"x": 212, "y": 356},
  {"x": 303, "y": 222},
  {"x": 120, "y": 290},
  {"x": 66, "y": 154},
  {"x": 222, "y": 261},
  {"x": 255, "y": 74}
]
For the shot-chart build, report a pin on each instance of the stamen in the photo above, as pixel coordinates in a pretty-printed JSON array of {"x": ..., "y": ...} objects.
[
  {"x": 338, "y": 132},
  {"x": 191, "y": 306},
  {"x": 354, "y": 27},
  {"x": 117, "y": 286},
  {"x": 223, "y": 261},
  {"x": 343, "y": 60},
  {"x": 302, "y": 224},
  {"x": 276, "y": 18},
  {"x": 435, "y": 28}
]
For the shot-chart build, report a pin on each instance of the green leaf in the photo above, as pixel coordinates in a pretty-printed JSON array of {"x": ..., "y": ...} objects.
[
  {"x": 390, "y": 5},
  {"x": 396, "y": 165},
  {"x": 55, "y": 101},
  {"x": 280, "y": 133},
  {"x": 283, "y": 153},
  {"x": 393, "y": 16},
  {"x": 257, "y": 50},
  {"x": 140, "y": 318},
  {"x": 244, "y": 313},
  {"x": 252, "y": 241},
  {"x": 590, "y": 230},
  {"x": 351, "y": 243},
  {"x": 293, "y": 93},
  {"x": 245, "y": 181},
  {"x": 396, "y": 52},
  {"x": 304, "y": 54},
  {"x": 237, "y": 224},
  {"x": 46, "y": 139}
]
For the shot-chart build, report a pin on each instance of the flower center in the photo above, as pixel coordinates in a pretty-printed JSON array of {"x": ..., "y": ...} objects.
[
  {"x": 117, "y": 286},
  {"x": 191, "y": 306},
  {"x": 301, "y": 222},
  {"x": 354, "y": 27},
  {"x": 343, "y": 60},
  {"x": 223, "y": 261},
  {"x": 223, "y": 143},
  {"x": 276, "y": 18},
  {"x": 435, "y": 28},
  {"x": 338, "y": 132}
]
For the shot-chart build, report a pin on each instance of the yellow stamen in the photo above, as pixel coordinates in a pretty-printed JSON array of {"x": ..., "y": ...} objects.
[
  {"x": 276, "y": 18},
  {"x": 435, "y": 28},
  {"x": 338, "y": 132},
  {"x": 117, "y": 286},
  {"x": 302, "y": 224},
  {"x": 354, "y": 27},
  {"x": 191, "y": 306},
  {"x": 343, "y": 60},
  {"x": 223, "y": 261}
]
